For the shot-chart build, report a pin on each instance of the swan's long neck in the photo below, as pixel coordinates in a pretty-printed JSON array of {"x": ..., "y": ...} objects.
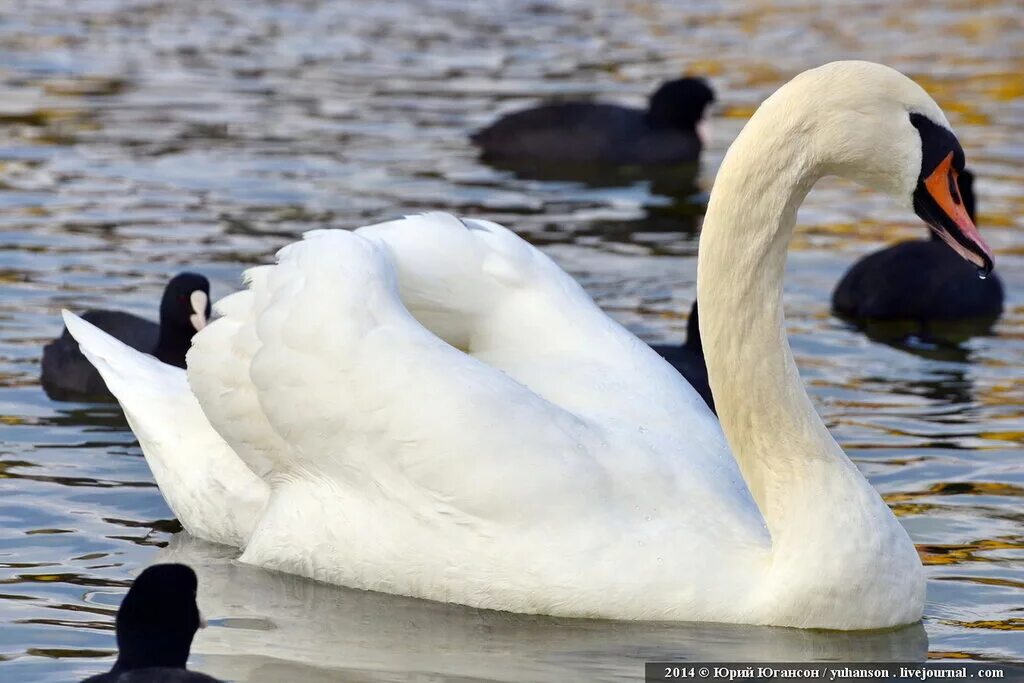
[{"x": 808, "y": 491}]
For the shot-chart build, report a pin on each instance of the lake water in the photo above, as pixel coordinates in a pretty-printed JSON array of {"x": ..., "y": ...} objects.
[{"x": 142, "y": 137}]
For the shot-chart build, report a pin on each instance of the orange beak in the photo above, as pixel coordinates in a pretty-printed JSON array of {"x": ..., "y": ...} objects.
[{"x": 937, "y": 201}]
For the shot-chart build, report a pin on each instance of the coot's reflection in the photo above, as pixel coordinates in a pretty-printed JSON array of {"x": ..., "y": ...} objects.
[
  {"x": 950, "y": 386},
  {"x": 935, "y": 340},
  {"x": 272, "y": 627},
  {"x": 678, "y": 201}
]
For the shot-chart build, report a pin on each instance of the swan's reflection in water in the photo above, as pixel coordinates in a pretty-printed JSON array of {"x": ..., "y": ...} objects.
[{"x": 275, "y": 627}]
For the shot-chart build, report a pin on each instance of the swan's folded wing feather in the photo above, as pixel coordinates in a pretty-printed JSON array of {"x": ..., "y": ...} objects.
[
  {"x": 378, "y": 405},
  {"x": 212, "y": 493},
  {"x": 453, "y": 272},
  {"x": 487, "y": 291},
  {"x": 218, "y": 373}
]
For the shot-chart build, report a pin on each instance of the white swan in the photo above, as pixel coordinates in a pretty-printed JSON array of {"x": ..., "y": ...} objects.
[{"x": 439, "y": 411}]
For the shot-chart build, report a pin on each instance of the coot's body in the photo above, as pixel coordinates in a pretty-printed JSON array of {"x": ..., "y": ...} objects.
[
  {"x": 917, "y": 280},
  {"x": 571, "y": 133},
  {"x": 184, "y": 309},
  {"x": 157, "y": 674},
  {"x": 688, "y": 358},
  {"x": 66, "y": 371}
]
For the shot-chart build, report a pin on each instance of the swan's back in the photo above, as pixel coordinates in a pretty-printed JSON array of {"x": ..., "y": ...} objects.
[{"x": 441, "y": 383}]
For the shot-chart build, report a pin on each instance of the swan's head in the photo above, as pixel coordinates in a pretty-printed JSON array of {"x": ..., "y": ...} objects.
[
  {"x": 873, "y": 124},
  {"x": 186, "y": 303}
]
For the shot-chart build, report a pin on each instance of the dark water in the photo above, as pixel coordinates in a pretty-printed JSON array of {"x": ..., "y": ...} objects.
[{"x": 138, "y": 138}]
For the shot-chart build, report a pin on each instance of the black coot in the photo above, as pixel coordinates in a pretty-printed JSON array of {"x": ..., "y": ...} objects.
[
  {"x": 156, "y": 623},
  {"x": 184, "y": 310},
  {"x": 569, "y": 133}
]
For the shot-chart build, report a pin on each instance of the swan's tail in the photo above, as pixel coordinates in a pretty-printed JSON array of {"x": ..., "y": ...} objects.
[
  {"x": 128, "y": 373},
  {"x": 213, "y": 494}
]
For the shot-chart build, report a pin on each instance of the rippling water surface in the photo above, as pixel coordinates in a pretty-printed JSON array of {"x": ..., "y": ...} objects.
[{"x": 138, "y": 138}]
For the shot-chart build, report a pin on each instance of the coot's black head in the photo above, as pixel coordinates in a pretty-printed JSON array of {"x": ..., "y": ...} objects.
[
  {"x": 680, "y": 103},
  {"x": 938, "y": 197},
  {"x": 158, "y": 619},
  {"x": 186, "y": 303}
]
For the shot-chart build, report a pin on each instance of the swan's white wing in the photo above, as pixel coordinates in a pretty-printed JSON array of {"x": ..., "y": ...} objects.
[
  {"x": 415, "y": 467},
  {"x": 377, "y": 404},
  {"x": 212, "y": 493},
  {"x": 218, "y": 373},
  {"x": 487, "y": 291},
  {"x": 357, "y": 386}
]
